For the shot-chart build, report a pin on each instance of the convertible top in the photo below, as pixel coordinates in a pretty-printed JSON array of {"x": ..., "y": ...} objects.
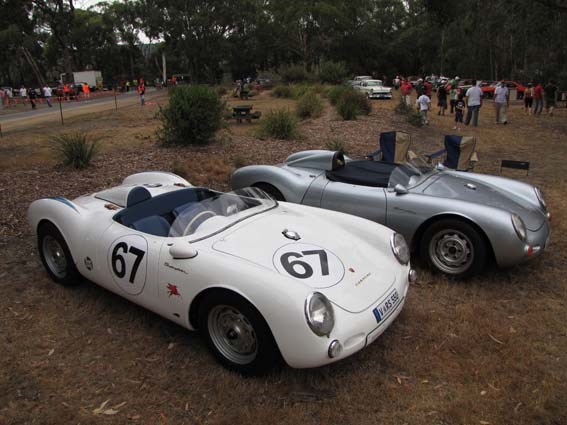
[{"x": 363, "y": 173}]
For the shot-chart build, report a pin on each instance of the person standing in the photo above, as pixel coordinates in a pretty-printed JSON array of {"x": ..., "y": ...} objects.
[
  {"x": 405, "y": 90},
  {"x": 424, "y": 104},
  {"x": 32, "y": 96},
  {"x": 2, "y": 96},
  {"x": 47, "y": 94},
  {"x": 459, "y": 112},
  {"x": 501, "y": 103},
  {"x": 142, "y": 92},
  {"x": 24, "y": 95},
  {"x": 550, "y": 91},
  {"x": 86, "y": 91},
  {"x": 538, "y": 99},
  {"x": 528, "y": 99},
  {"x": 473, "y": 100},
  {"x": 442, "y": 99},
  {"x": 454, "y": 92}
]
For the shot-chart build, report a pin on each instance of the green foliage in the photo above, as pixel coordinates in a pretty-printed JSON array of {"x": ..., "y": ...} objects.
[
  {"x": 309, "y": 105},
  {"x": 75, "y": 149},
  {"x": 352, "y": 103},
  {"x": 282, "y": 91},
  {"x": 335, "y": 93},
  {"x": 280, "y": 124},
  {"x": 336, "y": 145},
  {"x": 332, "y": 72},
  {"x": 294, "y": 74},
  {"x": 402, "y": 108},
  {"x": 193, "y": 116},
  {"x": 414, "y": 118}
]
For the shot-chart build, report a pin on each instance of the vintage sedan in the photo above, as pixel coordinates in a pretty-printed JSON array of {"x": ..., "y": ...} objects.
[
  {"x": 456, "y": 221},
  {"x": 261, "y": 280},
  {"x": 374, "y": 89}
]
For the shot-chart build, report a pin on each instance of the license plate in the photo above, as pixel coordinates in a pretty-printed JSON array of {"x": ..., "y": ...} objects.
[{"x": 386, "y": 307}]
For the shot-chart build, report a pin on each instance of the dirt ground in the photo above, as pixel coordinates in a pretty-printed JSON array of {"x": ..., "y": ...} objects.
[{"x": 492, "y": 350}]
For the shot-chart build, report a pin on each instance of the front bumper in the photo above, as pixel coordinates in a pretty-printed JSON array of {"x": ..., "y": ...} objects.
[
  {"x": 380, "y": 95},
  {"x": 353, "y": 331},
  {"x": 536, "y": 243}
]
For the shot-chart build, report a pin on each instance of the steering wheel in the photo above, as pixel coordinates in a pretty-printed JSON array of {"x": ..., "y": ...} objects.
[{"x": 195, "y": 221}]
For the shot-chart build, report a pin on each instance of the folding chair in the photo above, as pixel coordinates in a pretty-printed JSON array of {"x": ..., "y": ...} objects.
[
  {"x": 517, "y": 165},
  {"x": 394, "y": 147},
  {"x": 459, "y": 152}
]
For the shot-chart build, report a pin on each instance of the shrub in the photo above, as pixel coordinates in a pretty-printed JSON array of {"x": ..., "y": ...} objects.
[
  {"x": 294, "y": 74},
  {"x": 75, "y": 150},
  {"x": 222, "y": 90},
  {"x": 402, "y": 108},
  {"x": 336, "y": 145},
  {"x": 414, "y": 118},
  {"x": 309, "y": 106},
  {"x": 332, "y": 72},
  {"x": 282, "y": 91},
  {"x": 335, "y": 93},
  {"x": 280, "y": 124},
  {"x": 193, "y": 116},
  {"x": 351, "y": 104}
]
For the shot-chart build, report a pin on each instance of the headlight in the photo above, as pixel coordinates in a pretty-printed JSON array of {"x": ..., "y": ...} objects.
[
  {"x": 540, "y": 199},
  {"x": 319, "y": 314},
  {"x": 400, "y": 248},
  {"x": 519, "y": 226}
]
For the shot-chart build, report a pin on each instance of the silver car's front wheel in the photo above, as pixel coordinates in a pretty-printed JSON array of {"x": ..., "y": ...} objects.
[
  {"x": 237, "y": 334},
  {"x": 454, "y": 247}
]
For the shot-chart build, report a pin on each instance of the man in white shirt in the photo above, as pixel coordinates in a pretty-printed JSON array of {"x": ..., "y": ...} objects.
[
  {"x": 47, "y": 94},
  {"x": 501, "y": 103},
  {"x": 473, "y": 100},
  {"x": 423, "y": 104}
]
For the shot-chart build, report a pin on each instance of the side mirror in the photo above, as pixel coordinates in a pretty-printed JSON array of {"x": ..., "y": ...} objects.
[
  {"x": 182, "y": 251},
  {"x": 400, "y": 190}
]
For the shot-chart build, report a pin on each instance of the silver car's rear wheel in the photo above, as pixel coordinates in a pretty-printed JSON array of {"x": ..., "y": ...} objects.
[{"x": 454, "y": 247}]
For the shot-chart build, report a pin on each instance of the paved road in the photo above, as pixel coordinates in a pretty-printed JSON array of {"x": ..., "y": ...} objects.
[{"x": 70, "y": 109}]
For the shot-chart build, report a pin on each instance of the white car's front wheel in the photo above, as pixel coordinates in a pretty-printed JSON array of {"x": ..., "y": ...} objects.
[
  {"x": 237, "y": 334},
  {"x": 55, "y": 255}
]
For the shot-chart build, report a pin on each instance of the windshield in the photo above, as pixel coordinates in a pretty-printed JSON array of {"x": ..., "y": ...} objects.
[
  {"x": 218, "y": 212},
  {"x": 412, "y": 173},
  {"x": 374, "y": 83}
]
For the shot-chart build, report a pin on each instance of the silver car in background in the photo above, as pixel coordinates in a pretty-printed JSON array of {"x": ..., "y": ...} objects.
[{"x": 456, "y": 221}]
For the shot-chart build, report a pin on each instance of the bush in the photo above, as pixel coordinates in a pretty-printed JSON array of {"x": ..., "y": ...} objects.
[
  {"x": 282, "y": 91},
  {"x": 336, "y": 145},
  {"x": 74, "y": 149},
  {"x": 280, "y": 124},
  {"x": 351, "y": 104},
  {"x": 402, "y": 108},
  {"x": 332, "y": 72},
  {"x": 193, "y": 116},
  {"x": 414, "y": 118},
  {"x": 309, "y": 106},
  {"x": 222, "y": 90},
  {"x": 294, "y": 74},
  {"x": 335, "y": 93}
]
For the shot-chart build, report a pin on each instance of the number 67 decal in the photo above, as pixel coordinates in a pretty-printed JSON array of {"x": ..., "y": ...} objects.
[
  {"x": 309, "y": 263},
  {"x": 127, "y": 262}
]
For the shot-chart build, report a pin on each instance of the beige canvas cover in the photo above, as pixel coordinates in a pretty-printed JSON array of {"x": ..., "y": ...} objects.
[{"x": 468, "y": 157}]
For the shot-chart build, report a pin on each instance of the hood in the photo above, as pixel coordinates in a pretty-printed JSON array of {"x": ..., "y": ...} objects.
[
  {"x": 351, "y": 272},
  {"x": 457, "y": 187}
]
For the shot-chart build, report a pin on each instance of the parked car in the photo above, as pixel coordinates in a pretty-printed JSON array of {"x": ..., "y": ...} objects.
[
  {"x": 259, "y": 279},
  {"x": 456, "y": 221},
  {"x": 374, "y": 89},
  {"x": 362, "y": 77}
]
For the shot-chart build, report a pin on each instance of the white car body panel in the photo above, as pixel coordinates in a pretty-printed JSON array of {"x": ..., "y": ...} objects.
[{"x": 241, "y": 259}]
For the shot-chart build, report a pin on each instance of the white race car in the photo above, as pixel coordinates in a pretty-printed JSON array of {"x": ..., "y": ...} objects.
[{"x": 260, "y": 279}]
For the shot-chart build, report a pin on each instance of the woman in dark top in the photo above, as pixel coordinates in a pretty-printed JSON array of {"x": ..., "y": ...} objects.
[{"x": 442, "y": 99}]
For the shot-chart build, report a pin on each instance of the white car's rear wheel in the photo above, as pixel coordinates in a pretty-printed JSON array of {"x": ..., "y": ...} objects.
[
  {"x": 55, "y": 255},
  {"x": 237, "y": 334}
]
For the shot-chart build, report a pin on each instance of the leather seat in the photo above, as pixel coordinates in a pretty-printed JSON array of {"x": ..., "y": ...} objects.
[{"x": 153, "y": 225}]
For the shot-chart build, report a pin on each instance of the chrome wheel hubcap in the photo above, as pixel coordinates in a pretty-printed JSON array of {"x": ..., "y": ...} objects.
[
  {"x": 232, "y": 334},
  {"x": 54, "y": 256},
  {"x": 451, "y": 251}
]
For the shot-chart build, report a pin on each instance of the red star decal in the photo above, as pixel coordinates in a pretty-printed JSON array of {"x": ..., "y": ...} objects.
[{"x": 172, "y": 290}]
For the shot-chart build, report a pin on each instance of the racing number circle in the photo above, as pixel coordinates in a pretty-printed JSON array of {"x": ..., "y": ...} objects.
[
  {"x": 311, "y": 264},
  {"x": 127, "y": 260}
]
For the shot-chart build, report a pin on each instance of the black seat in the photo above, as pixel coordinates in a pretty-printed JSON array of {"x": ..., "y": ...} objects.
[
  {"x": 153, "y": 225},
  {"x": 363, "y": 173}
]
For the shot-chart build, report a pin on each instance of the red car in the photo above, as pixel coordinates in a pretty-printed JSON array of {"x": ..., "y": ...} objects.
[{"x": 512, "y": 85}]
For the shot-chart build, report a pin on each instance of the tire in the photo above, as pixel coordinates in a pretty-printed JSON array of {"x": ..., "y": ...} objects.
[
  {"x": 55, "y": 256},
  {"x": 237, "y": 334},
  {"x": 271, "y": 190},
  {"x": 455, "y": 248}
]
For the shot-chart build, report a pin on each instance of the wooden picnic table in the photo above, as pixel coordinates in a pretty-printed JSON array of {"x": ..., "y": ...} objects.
[{"x": 244, "y": 112}]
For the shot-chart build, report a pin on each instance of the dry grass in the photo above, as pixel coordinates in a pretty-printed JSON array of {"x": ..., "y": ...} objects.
[{"x": 488, "y": 351}]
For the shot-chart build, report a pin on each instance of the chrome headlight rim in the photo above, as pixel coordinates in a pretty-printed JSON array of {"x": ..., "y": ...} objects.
[
  {"x": 400, "y": 248},
  {"x": 319, "y": 329},
  {"x": 519, "y": 227},
  {"x": 540, "y": 198}
]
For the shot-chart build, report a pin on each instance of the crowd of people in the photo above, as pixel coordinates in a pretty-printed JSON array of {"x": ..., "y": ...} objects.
[{"x": 458, "y": 98}]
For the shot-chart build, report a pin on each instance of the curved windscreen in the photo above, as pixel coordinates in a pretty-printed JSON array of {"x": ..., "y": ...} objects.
[
  {"x": 218, "y": 212},
  {"x": 411, "y": 173}
]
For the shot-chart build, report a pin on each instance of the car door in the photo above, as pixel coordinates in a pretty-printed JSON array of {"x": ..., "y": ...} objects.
[{"x": 363, "y": 201}]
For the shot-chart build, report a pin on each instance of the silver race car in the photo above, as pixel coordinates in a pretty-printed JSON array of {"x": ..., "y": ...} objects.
[{"x": 456, "y": 221}]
